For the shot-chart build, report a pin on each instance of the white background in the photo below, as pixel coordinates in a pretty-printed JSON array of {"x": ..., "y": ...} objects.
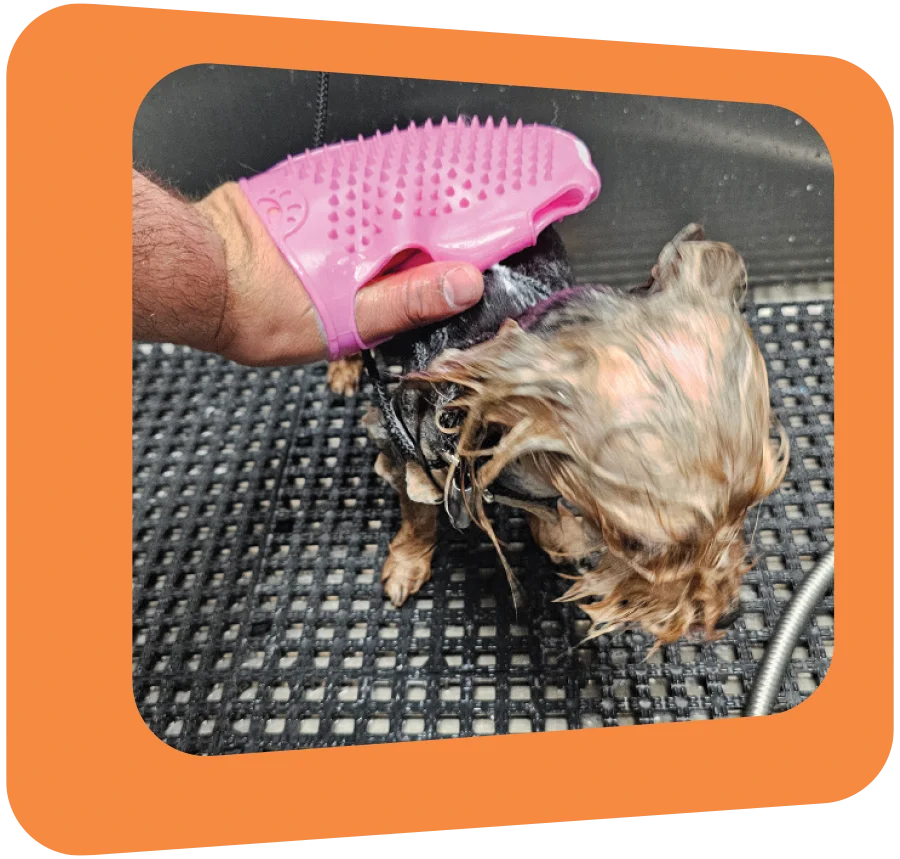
[{"x": 859, "y": 32}]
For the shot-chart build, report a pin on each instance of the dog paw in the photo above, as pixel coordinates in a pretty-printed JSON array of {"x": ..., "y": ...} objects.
[
  {"x": 344, "y": 375},
  {"x": 402, "y": 577}
]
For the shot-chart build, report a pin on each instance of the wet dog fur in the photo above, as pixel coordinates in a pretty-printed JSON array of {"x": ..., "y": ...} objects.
[{"x": 643, "y": 412}]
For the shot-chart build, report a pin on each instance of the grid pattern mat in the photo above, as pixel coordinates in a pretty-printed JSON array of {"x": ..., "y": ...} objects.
[{"x": 243, "y": 648}]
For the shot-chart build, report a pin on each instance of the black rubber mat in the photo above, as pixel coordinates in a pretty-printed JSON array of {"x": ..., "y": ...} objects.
[{"x": 240, "y": 647}]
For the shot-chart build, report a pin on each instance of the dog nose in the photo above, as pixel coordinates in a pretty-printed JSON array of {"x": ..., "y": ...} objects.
[{"x": 728, "y": 619}]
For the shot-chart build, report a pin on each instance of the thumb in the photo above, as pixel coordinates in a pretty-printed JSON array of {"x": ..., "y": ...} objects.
[{"x": 416, "y": 297}]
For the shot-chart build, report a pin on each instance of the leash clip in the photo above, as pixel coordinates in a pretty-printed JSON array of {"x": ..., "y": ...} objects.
[{"x": 457, "y": 506}]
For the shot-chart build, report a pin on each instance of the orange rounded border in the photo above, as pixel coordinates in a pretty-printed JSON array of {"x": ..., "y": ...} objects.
[{"x": 84, "y": 773}]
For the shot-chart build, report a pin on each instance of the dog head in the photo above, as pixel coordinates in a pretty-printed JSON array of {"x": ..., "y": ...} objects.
[{"x": 648, "y": 412}]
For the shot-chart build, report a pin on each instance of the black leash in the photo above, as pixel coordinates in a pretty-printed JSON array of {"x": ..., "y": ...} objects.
[
  {"x": 318, "y": 138},
  {"x": 321, "y": 109},
  {"x": 394, "y": 424}
]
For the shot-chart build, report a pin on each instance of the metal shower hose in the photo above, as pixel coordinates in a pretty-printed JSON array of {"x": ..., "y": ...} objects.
[{"x": 787, "y": 633}]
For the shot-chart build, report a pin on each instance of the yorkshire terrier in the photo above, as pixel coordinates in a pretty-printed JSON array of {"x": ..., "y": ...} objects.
[{"x": 632, "y": 426}]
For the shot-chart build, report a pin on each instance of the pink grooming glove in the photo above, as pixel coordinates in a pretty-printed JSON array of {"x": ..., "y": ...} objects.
[{"x": 459, "y": 191}]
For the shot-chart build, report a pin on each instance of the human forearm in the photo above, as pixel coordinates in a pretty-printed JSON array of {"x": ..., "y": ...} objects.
[{"x": 180, "y": 279}]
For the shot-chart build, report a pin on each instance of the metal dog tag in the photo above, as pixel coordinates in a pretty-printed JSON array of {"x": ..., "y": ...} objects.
[{"x": 456, "y": 506}]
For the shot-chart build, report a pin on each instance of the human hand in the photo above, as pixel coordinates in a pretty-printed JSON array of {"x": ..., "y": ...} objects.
[{"x": 208, "y": 275}]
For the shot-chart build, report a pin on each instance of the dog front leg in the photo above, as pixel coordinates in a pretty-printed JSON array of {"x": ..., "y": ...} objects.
[
  {"x": 344, "y": 375},
  {"x": 408, "y": 564}
]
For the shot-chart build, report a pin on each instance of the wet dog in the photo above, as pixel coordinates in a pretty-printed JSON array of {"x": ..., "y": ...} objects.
[{"x": 632, "y": 425}]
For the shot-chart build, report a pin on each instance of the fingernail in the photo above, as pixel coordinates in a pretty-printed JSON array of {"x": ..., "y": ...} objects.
[{"x": 462, "y": 287}]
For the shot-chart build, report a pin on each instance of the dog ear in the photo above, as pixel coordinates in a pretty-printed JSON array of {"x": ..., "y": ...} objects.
[
  {"x": 689, "y": 263},
  {"x": 662, "y": 272}
]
